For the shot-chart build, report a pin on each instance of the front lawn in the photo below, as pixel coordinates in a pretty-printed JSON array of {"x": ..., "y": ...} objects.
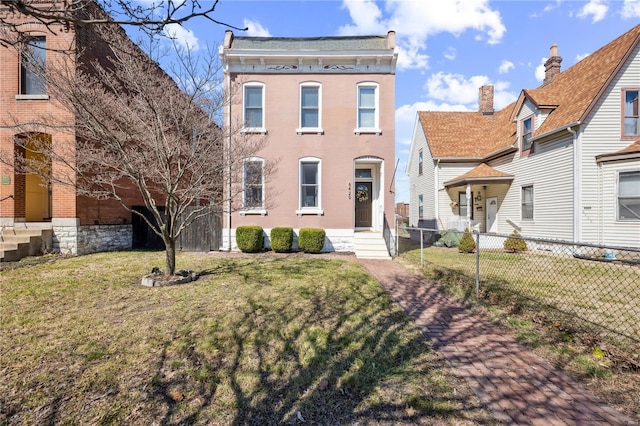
[{"x": 264, "y": 339}]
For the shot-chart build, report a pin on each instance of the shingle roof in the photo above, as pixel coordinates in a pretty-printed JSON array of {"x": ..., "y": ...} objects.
[
  {"x": 571, "y": 95},
  {"x": 632, "y": 150},
  {"x": 311, "y": 43},
  {"x": 574, "y": 89},
  {"x": 480, "y": 174},
  {"x": 467, "y": 134}
]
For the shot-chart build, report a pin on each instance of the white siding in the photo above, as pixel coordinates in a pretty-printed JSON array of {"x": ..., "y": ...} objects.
[
  {"x": 549, "y": 169},
  {"x": 602, "y": 134},
  {"x": 447, "y": 172},
  {"x": 420, "y": 184},
  {"x": 613, "y": 231}
]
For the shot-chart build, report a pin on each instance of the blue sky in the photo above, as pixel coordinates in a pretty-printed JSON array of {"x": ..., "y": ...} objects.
[{"x": 447, "y": 49}]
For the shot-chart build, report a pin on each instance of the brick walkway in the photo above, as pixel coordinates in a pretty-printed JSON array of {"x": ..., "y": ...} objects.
[{"x": 517, "y": 385}]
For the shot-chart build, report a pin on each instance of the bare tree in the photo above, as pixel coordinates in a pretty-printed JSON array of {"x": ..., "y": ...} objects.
[
  {"x": 140, "y": 131},
  {"x": 60, "y": 15}
]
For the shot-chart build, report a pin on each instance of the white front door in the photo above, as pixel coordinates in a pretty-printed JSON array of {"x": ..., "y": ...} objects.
[{"x": 492, "y": 213}]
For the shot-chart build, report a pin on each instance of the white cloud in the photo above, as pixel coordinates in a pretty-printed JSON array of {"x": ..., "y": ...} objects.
[
  {"x": 540, "y": 70},
  {"x": 597, "y": 9},
  {"x": 631, "y": 9},
  {"x": 455, "y": 88},
  {"x": 415, "y": 21},
  {"x": 182, "y": 36},
  {"x": 450, "y": 53},
  {"x": 255, "y": 29},
  {"x": 581, "y": 56},
  {"x": 505, "y": 66}
]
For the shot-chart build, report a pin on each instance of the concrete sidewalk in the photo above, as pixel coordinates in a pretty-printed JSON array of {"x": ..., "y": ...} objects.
[{"x": 517, "y": 385}]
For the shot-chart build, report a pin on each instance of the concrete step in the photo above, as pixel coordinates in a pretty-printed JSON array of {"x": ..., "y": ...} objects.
[
  {"x": 16, "y": 243},
  {"x": 370, "y": 245}
]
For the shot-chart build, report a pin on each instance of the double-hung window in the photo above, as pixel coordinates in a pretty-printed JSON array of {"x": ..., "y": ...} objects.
[
  {"x": 310, "y": 194},
  {"x": 463, "y": 207},
  {"x": 420, "y": 207},
  {"x": 254, "y": 107},
  {"x": 420, "y": 163},
  {"x": 310, "y": 108},
  {"x": 527, "y": 202},
  {"x": 32, "y": 61},
  {"x": 629, "y": 196},
  {"x": 253, "y": 184},
  {"x": 631, "y": 113},
  {"x": 525, "y": 133},
  {"x": 368, "y": 110}
]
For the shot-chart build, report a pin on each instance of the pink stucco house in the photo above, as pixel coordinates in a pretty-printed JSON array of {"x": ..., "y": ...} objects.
[{"x": 326, "y": 108}]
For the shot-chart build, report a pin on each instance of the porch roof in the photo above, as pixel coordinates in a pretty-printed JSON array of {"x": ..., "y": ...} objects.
[
  {"x": 480, "y": 175},
  {"x": 630, "y": 152}
]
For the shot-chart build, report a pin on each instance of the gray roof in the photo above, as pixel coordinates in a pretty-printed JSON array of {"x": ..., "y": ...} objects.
[{"x": 311, "y": 43}]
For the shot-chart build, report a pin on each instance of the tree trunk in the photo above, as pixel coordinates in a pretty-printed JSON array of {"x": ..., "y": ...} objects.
[{"x": 170, "y": 254}]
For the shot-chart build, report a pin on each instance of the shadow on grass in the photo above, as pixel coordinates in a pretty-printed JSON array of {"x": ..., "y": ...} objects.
[{"x": 322, "y": 353}]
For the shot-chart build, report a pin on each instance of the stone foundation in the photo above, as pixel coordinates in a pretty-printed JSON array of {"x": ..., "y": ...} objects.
[{"x": 71, "y": 238}]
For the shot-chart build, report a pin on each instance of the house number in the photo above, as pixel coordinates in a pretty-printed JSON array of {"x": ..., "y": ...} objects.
[{"x": 349, "y": 189}]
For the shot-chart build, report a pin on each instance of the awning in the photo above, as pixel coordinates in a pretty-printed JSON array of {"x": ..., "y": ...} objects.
[{"x": 480, "y": 175}]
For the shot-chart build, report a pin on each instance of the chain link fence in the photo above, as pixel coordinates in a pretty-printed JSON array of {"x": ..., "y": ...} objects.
[{"x": 580, "y": 287}]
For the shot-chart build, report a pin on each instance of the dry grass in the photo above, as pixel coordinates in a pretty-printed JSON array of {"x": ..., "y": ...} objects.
[
  {"x": 256, "y": 340},
  {"x": 516, "y": 292}
]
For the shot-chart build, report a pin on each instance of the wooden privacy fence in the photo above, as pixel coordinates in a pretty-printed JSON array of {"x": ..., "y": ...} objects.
[{"x": 203, "y": 234}]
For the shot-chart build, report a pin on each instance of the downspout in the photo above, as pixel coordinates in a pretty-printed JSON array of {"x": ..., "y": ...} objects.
[
  {"x": 577, "y": 184},
  {"x": 229, "y": 164},
  {"x": 436, "y": 190}
]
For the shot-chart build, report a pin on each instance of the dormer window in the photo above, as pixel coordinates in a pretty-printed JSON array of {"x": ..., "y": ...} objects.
[
  {"x": 526, "y": 129},
  {"x": 631, "y": 115}
]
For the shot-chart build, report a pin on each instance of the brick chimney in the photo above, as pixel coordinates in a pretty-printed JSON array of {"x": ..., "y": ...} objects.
[
  {"x": 485, "y": 100},
  {"x": 552, "y": 66}
]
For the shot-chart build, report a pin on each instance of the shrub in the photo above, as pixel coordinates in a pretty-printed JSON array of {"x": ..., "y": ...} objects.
[
  {"x": 311, "y": 240},
  {"x": 249, "y": 238},
  {"x": 515, "y": 245},
  {"x": 281, "y": 239},
  {"x": 467, "y": 244}
]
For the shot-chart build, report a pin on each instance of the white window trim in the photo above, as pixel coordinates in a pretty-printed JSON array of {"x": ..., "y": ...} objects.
[
  {"x": 253, "y": 210},
  {"x": 263, "y": 129},
  {"x": 530, "y": 149},
  {"x": 533, "y": 212},
  {"x": 617, "y": 199},
  {"x": 303, "y": 130},
  {"x": 368, "y": 130},
  {"x": 310, "y": 210}
]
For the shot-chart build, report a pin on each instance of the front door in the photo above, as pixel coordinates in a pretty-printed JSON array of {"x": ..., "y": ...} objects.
[
  {"x": 492, "y": 214},
  {"x": 363, "y": 204}
]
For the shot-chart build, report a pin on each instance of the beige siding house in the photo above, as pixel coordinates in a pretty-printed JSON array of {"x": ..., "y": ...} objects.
[
  {"x": 326, "y": 107},
  {"x": 561, "y": 162}
]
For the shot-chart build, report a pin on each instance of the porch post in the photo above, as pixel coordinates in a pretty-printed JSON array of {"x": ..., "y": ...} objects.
[{"x": 469, "y": 206}]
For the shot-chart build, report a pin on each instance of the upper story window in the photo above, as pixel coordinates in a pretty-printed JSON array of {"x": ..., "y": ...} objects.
[
  {"x": 310, "y": 194},
  {"x": 310, "y": 108},
  {"x": 253, "y": 184},
  {"x": 631, "y": 116},
  {"x": 629, "y": 196},
  {"x": 368, "y": 109},
  {"x": 527, "y": 202},
  {"x": 253, "y": 102},
  {"x": 526, "y": 130},
  {"x": 32, "y": 58},
  {"x": 420, "y": 163}
]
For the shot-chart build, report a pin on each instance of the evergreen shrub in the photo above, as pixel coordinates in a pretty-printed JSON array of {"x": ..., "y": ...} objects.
[
  {"x": 281, "y": 239},
  {"x": 250, "y": 238},
  {"x": 515, "y": 245},
  {"x": 467, "y": 244},
  {"x": 311, "y": 240}
]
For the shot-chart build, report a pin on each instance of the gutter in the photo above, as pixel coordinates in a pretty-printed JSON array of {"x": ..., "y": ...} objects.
[{"x": 559, "y": 129}]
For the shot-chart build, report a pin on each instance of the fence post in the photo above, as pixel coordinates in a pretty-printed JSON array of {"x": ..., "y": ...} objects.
[
  {"x": 477, "y": 264},
  {"x": 421, "y": 249}
]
